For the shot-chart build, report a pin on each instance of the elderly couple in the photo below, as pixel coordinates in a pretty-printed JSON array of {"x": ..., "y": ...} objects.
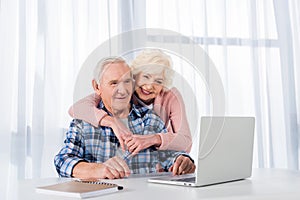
[{"x": 117, "y": 131}]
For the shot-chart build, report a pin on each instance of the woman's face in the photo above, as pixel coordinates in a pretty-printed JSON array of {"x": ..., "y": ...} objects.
[{"x": 148, "y": 86}]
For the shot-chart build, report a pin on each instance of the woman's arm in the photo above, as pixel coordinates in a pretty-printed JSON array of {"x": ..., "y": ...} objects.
[
  {"x": 86, "y": 109},
  {"x": 136, "y": 143},
  {"x": 171, "y": 109},
  {"x": 178, "y": 136}
]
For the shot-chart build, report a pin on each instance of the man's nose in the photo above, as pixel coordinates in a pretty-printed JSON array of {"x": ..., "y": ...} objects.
[{"x": 121, "y": 89}]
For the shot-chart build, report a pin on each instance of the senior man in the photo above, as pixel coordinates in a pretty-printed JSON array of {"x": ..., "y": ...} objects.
[{"x": 95, "y": 152}]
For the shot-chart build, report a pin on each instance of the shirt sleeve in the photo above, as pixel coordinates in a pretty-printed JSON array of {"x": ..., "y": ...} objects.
[
  {"x": 72, "y": 151},
  {"x": 86, "y": 110},
  {"x": 153, "y": 124}
]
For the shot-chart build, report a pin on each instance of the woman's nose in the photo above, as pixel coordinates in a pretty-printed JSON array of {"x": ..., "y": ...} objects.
[{"x": 148, "y": 86}]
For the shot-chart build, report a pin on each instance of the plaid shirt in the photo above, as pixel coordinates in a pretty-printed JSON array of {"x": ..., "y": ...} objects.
[{"x": 85, "y": 142}]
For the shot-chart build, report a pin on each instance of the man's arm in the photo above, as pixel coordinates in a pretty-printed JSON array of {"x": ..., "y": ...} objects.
[
  {"x": 72, "y": 152},
  {"x": 112, "y": 169},
  {"x": 183, "y": 165},
  {"x": 176, "y": 162},
  {"x": 70, "y": 162}
]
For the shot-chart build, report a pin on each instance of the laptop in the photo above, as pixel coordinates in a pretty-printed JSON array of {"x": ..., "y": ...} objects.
[{"x": 225, "y": 152}]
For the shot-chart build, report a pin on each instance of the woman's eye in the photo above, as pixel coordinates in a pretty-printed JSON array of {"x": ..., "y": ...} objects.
[
  {"x": 146, "y": 76},
  {"x": 159, "y": 82}
]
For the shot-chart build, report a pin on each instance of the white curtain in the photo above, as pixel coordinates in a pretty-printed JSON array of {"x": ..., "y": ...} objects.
[
  {"x": 43, "y": 45},
  {"x": 254, "y": 45}
]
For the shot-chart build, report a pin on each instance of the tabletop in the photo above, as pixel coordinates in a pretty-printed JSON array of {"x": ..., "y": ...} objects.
[{"x": 263, "y": 184}]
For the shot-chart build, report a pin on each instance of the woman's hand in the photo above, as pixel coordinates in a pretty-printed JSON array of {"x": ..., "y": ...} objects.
[
  {"x": 119, "y": 129},
  {"x": 136, "y": 143}
]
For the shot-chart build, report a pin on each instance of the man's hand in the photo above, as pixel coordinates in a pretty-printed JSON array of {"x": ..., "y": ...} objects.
[
  {"x": 115, "y": 168},
  {"x": 182, "y": 165},
  {"x": 112, "y": 169},
  {"x": 136, "y": 143},
  {"x": 119, "y": 129}
]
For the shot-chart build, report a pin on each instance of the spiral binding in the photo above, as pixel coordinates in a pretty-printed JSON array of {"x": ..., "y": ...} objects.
[
  {"x": 94, "y": 182},
  {"x": 98, "y": 183}
]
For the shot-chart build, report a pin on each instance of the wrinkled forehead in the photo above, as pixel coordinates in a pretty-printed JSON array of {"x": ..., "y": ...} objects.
[
  {"x": 154, "y": 70},
  {"x": 116, "y": 71}
]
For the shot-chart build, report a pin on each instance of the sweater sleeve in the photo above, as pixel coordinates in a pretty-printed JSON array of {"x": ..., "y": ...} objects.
[
  {"x": 178, "y": 136},
  {"x": 86, "y": 110}
]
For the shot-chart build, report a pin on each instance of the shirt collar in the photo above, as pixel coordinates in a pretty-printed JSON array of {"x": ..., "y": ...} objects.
[{"x": 102, "y": 107}]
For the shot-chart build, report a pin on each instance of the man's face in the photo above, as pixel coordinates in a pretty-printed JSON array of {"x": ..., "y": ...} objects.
[{"x": 116, "y": 87}]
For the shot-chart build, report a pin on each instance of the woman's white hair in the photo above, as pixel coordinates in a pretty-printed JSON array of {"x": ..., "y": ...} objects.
[
  {"x": 101, "y": 65},
  {"x": 154, "y": 61}
]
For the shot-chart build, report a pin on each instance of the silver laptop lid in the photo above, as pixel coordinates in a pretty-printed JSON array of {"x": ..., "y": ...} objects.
[{"x": 225, "y": 149}]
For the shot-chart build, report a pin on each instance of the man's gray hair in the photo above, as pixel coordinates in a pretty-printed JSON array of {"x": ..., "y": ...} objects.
[{"x": 101, "y": 65}]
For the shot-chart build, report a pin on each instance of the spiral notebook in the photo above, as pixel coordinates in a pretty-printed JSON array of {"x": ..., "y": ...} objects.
[{"x": 80, "y": 188}]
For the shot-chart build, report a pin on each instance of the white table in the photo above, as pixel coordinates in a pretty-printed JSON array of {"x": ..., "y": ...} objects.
[{"x": 264, "y": 184}]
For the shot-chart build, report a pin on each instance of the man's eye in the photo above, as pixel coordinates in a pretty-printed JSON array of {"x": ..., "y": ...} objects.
[
  {"x": 127, "y": 81},
  {"x": 113, "y": 83}
]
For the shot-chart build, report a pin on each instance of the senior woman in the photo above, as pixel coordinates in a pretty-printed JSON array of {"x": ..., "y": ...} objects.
[{"x": 152, "y": 72}]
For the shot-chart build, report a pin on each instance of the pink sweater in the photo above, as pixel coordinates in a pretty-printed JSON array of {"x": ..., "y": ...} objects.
[{"x": 168, "y": 105}]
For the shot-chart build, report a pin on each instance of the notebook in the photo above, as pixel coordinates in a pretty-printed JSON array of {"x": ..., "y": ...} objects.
[
  {"x": 225, "y": 153},
  {"x": 79, "y": 188}
]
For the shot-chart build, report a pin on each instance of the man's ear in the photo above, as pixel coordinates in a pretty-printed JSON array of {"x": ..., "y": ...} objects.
[{"x": 97, "y": 87}]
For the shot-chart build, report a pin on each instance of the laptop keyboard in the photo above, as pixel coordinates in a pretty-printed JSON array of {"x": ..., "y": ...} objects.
[
  {"x": 190, "y": 179},
  {"x": 150, "y": 175}
]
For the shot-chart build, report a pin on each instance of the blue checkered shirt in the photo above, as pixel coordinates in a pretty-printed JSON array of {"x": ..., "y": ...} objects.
[{"x": 87, "y": 143}]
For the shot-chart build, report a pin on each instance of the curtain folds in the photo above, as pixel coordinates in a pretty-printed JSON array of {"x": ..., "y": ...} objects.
[
  {"x": 44, "y": 44},
  {"x": 254, "y": 45}
]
